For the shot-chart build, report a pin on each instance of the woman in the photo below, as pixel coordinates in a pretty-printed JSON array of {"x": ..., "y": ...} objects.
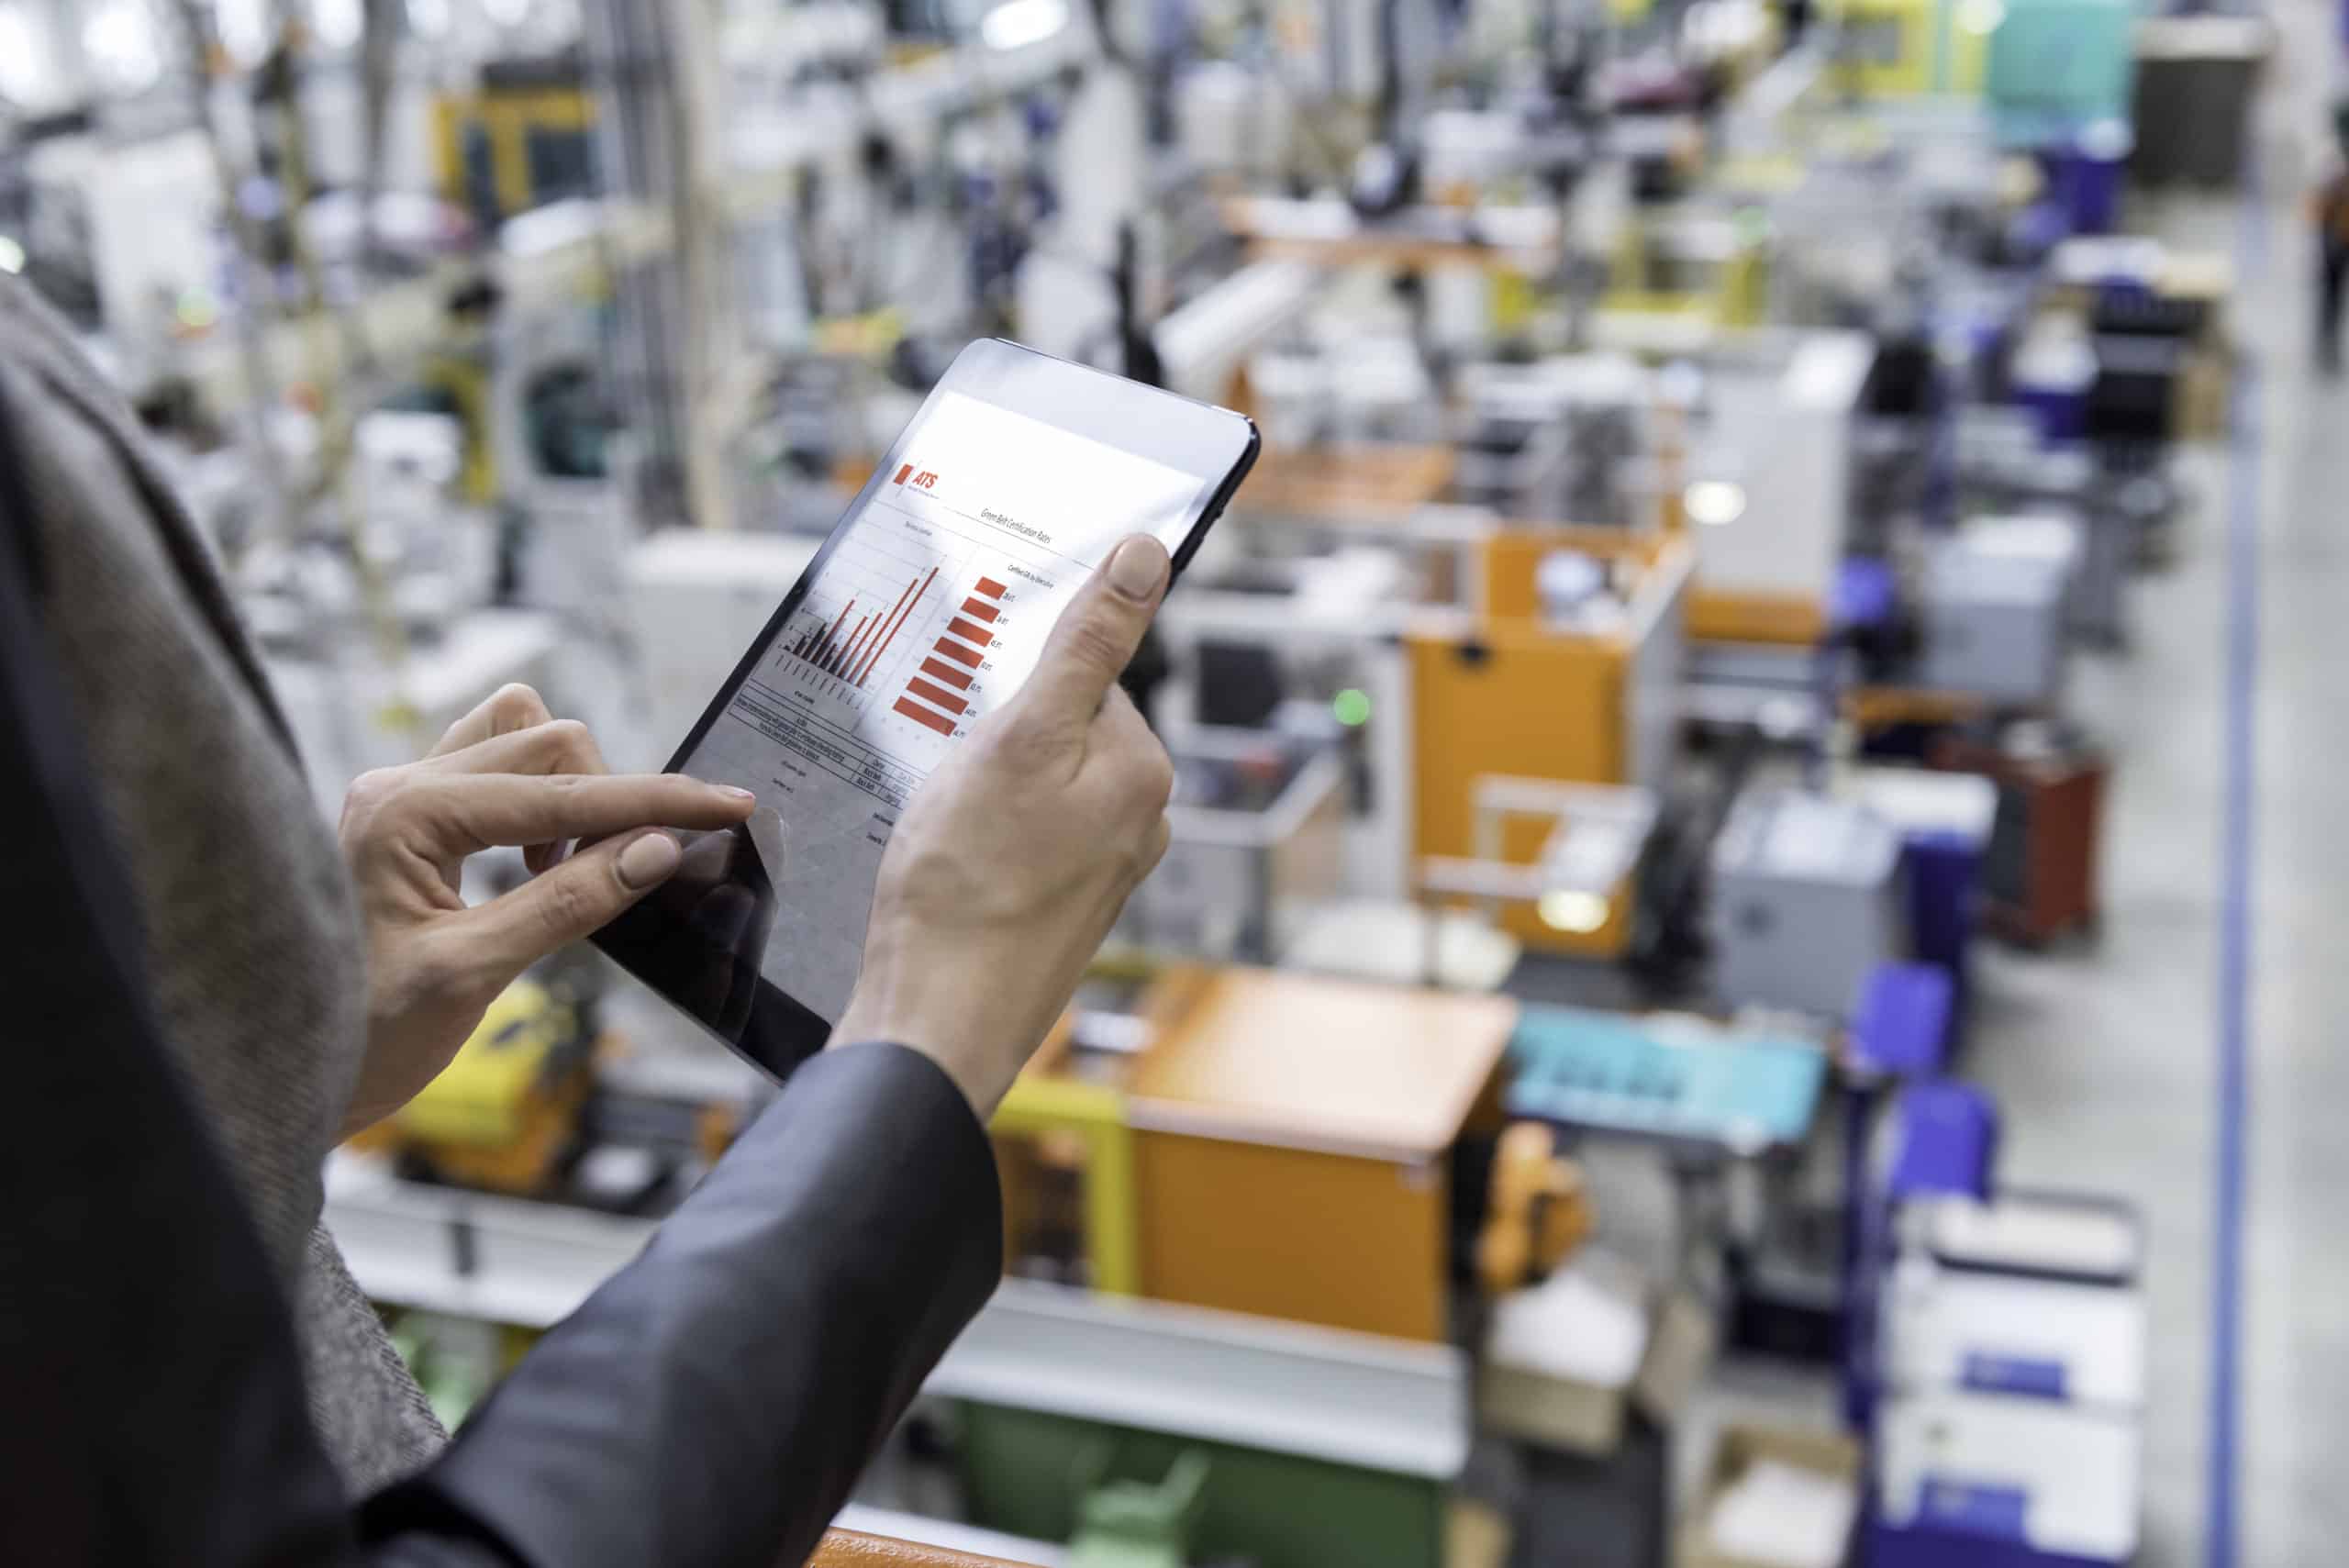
[{"x": 203, "y": 991}]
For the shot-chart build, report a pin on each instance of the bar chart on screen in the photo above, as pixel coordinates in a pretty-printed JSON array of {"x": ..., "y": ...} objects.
[
  {"x": 857, "y": 624},
  {"x": 905, "y": 632},
  {"x": 944, "y": 692},
  {"x": 931, "y": 607}
]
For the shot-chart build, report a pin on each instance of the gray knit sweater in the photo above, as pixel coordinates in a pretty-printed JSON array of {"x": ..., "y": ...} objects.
[{"x": 251, "y": 938}]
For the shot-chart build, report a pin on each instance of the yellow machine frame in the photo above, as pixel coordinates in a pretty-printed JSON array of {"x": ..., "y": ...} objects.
[
  {"x": 1939, "y": 55},
  {"x": 1736, "y": 295},
  {"x": 1039, "y": 1105},
  {"x": 509, "y": 115}
]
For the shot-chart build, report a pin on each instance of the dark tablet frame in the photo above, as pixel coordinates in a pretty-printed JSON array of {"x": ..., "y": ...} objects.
[{"x": 777, "y": 1031}]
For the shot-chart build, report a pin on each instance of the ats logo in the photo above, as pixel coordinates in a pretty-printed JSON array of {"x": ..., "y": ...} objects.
[{"x": 925, "y": 480}]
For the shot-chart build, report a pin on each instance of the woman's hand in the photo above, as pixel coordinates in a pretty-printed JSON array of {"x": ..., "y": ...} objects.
[
  {"x": 505, "y": 773},
  {"x": 1011, "y": 864}
]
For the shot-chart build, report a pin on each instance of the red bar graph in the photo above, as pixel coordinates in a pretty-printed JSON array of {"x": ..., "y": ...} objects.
[
  {"x": 959, "y": 653},
  {"x": 990, "y": 587},
  {"x": 847, "y": 654},
  {"x": 921, "y": 715},
  {"x": 979, "y": 609},
  {"x": 852, "y": 657},
  {"x": 823, "y": 651},
  {"x": 906, "y": 602},
  {"x": 958, "y": 678},
  {"x": 930, "y": 693},
  {"x": 977, "y": 636}
]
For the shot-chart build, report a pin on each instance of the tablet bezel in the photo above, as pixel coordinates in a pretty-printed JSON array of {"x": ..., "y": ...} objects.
[{"x": 1213, "y": 444}]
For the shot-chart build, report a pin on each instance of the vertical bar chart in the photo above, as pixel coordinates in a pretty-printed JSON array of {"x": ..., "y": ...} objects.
[
  {"x": 851, "y": 658},
  {"x": 815, "y": 648},
  {"x": 839, "y": 660},
  {"x": 907, "y": 603}
]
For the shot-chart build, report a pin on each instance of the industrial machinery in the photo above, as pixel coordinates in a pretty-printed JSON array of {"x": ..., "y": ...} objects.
[
  {"x": 1317, "y": 1116},
  {"x": 1911, "y": 49},
  {"x": 2057, "y": 66},
  {"x": 523, "y": 138},
  {"x": 1995, "y": 610},
  {"x": 1805, "y": 902},
  {"x": 1540, "y": 1210},
  {"x": 1648, "y": 441},
  {"x": 1766, "y": 490},
  {"x": 1554, "y": 440},
  {"x": 1576, "y": 685},
  {"x": 2041, "y": 876},
  {"x": 127, "y": 238},
  {"x": 504, "y": 1115},
  {"x": 1713, "y": 267},
  {"x": 1258, "y": 847},
  {"x": 1577, "y": 884},
  {"x": 1136, "y": 1524}
]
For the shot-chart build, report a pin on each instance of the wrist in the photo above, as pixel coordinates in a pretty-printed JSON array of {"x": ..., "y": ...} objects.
[{"x": 914, "y": 1013}]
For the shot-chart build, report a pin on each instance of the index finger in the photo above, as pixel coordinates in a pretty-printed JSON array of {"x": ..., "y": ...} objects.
[
  {"x": 1097, "y": 633},
  {"x": 510, "y": 707},
  {"x": 473, "y": 811}
]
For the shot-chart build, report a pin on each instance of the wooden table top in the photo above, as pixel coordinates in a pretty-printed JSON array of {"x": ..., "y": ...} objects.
[{"x": 1297, "y": 1060}]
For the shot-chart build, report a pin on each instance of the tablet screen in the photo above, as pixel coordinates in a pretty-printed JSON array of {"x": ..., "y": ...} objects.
[{"x": 930, "y": 609}]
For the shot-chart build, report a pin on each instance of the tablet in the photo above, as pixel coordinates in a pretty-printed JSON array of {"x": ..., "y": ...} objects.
[{"x": 924, "y": 611}]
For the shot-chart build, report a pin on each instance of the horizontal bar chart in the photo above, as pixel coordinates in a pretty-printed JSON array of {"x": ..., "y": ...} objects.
[
  {"x": 923, "y": 716},
  {"x": 958, "y": 678},
  {"x": 932, "y": 695}
]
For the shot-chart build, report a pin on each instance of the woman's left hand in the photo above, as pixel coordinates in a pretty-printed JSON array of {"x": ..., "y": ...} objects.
[{"x": 509, "y": 774}]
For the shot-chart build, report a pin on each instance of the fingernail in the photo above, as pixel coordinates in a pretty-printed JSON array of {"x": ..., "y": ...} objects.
[
  {"x": 649, "y": 861},
  {"x": 1137, "y": 567},
  {"x": 732, "y": 791}
]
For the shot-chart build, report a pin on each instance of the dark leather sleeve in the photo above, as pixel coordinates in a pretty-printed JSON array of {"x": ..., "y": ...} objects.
[{"x": 713, "y": 1404}]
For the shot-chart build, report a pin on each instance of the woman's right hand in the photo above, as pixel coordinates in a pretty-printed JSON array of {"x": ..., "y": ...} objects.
[{"x": 1010, "y": 865}]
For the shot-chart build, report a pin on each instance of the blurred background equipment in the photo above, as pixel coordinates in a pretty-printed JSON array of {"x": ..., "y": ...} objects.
[{"x": 1668, "y": 1028}]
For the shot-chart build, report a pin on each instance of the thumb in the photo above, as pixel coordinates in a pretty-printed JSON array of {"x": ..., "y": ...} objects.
[
  {"x": 1097, "y": 634},
  {"x": 572, "y": 900}
]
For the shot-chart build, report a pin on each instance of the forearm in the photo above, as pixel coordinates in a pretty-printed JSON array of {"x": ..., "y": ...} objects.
[{"x": 714, "y": 1403}]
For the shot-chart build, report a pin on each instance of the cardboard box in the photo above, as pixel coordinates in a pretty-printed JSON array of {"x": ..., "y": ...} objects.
[
  {"x": 1620, "y": 1346},
  {"x": 1827, "y": 1455}
]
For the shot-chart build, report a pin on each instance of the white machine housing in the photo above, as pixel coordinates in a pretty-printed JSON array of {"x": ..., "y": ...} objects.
[
  {"x": 2059, "y": 1481},
  {"x": 1805, "y": 901},
  {"x": 1782, "y": 433},
  {"x": 1958, "y": 1328},
  {"x": 1994, "y": 601},
  {"x": 701, "y": 598}
]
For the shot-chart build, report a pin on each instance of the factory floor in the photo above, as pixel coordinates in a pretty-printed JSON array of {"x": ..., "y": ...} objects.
[
  {"x": 2105, "y": 1055},
  {"x": 2105, "y": 1060}
]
